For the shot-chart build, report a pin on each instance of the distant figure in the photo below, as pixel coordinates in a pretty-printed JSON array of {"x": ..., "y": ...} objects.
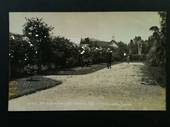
[
  {"x": 81, "y": 57},
  {"x": 109, "y": 59},
  {"x": 81, "y": 60},
  {"x": 128, "y": 59}
]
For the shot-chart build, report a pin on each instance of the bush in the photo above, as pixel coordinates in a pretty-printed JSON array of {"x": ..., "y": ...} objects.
[
  {"x": 30, "y": 69},
  {"x": 116, "y": 57},
  {"x": 137, "y": 58},
  {"x": 71, "y": 62}
]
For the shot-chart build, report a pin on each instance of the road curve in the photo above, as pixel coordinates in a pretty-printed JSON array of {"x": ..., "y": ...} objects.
[{"x": 119, "y": 88}]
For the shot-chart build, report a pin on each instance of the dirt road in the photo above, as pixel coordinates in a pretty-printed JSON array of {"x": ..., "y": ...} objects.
[{"x": 120, "y": 88}]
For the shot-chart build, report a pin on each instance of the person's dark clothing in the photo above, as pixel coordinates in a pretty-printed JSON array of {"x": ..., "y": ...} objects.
[
  {"x": 109, "y": 59},
  {"x": 128, "y": 59}
]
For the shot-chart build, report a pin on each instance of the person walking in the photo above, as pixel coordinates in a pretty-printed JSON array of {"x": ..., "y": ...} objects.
[
  {"x": 109, "y": 59},
  {"x": 128, "y": 59}
]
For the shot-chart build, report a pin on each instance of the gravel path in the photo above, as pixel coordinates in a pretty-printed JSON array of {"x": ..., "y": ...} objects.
[{"x": 120, "y": 88}]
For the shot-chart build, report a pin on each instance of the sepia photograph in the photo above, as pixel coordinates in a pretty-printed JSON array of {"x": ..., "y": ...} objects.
[{"x": 65, "y": 61}]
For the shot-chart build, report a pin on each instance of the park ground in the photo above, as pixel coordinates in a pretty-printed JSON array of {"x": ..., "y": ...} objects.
[{"x": 123, "y": 87}]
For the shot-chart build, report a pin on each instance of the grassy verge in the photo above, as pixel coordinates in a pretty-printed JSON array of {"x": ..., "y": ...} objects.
[
  {"x": 26, "y": 86},
  {"x": 156, "y": 74},
  {"x": 78, "y": 70}
]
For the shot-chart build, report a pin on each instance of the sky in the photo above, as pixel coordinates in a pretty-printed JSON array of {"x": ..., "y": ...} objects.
[{"x": 105, "y": 26}]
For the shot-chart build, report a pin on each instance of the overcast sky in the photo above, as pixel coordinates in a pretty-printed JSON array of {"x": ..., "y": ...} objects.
[{"x": 99, "y": 25}]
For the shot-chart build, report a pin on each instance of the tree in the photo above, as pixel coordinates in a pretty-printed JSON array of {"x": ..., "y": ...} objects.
[
  {"x": 136, "y": 45},
  {"x": 163, "y": 23},
  {"x": 122, "y": 48},
  {"x": 157, "y": 53},
  {"x": 118, "y": 51},
  {"x": 38, "y": 33},
  {"x": 64, "y": 52},
  {"x": 20, "y": 53},
  {"x": 146, "y": 45},
  {"x": 138, "y": 48},
  {"x": 132, "y": 47},
  {"x": 156, "y": 33},
  {"x": 138, "y": 42}
]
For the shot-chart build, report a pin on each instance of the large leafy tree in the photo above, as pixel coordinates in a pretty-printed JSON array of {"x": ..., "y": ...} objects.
[
  {"x": 135, "y": 45},
  {"x": 132, "y": 47},
  {"x": 138, "y": 42},
  {"x": 21, "y": 53},
  {"x": 146, "y": 45},
  {"x": 157, "y": 53},
  {"x": 163, "y": 16},
  {"x": 64, "y": 52},
  {"x": 163, "y": 23},
  {"x": 38, "y": 33},
  {"x": 122, "y": 48}
]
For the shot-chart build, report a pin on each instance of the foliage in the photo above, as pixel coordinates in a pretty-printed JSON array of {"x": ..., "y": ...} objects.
[
  {"x": 157, "y": 53},
  {"x": 146, "y": 45},
  {"x": 38, "y": 33},
  {"x": 21, "y": 53},
  {"x": 132, "y": 47},
  {"x": 139, "y": 48},
  {"x": 64, "y": 52},
  {"x": 122, "y": 48}
]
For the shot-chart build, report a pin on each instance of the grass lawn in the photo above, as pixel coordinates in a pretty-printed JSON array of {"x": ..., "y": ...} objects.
[{"x": 23, "y": 86}]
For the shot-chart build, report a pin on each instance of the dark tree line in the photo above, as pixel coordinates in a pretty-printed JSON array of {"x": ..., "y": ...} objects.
[{"x": 37, "y": 50}]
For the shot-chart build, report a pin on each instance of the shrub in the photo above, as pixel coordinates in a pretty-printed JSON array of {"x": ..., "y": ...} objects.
[{"x": 136, "y": 57}]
